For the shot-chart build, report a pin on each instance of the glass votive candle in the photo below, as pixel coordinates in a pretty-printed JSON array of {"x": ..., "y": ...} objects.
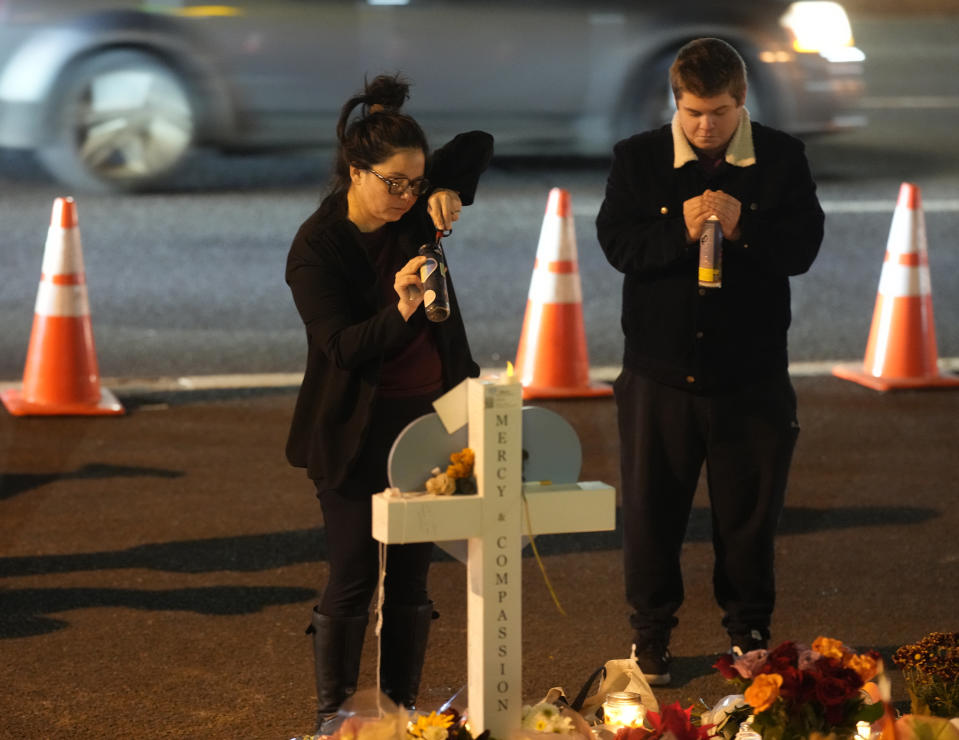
[{"x": 623, "y": 709}]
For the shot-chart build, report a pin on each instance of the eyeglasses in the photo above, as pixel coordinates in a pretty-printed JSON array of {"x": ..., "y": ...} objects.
[{"x": 400, "y": 185}]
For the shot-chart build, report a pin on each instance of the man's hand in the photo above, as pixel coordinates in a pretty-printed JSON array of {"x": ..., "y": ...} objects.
[
  {"x": 695, "y": 213},
  {"x": 727, "y": 209},
  {"x": 712, "y": 203}
]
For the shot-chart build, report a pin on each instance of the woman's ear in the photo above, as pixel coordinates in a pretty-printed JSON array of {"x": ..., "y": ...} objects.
[{"x": 354, "y": 173}]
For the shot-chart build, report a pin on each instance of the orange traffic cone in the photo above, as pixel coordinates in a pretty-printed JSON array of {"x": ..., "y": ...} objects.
[
  {"x": 901, "y": 351},
  {"x": 552, "y": 361},
  {"x": 61, "y": 375}
]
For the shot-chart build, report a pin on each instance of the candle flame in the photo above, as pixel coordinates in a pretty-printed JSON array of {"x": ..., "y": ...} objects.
[{"x": 509, "y": 369}]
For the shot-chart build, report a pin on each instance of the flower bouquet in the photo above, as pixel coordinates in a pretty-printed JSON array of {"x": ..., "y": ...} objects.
[
  {"x": 930, "y": 669},
  {"x": 794, "y": 692},
  {"x": 398, "y": 724}
]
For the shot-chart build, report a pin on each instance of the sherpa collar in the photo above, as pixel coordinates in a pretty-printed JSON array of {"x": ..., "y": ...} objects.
[{"x": 739, "y": 153}]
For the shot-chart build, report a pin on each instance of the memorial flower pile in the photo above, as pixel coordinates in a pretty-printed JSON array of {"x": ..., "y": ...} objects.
[
  {"x": 793, "y": 691},
  {"x": 399, "y": 725},
  {"x": 930, "y": 669}
]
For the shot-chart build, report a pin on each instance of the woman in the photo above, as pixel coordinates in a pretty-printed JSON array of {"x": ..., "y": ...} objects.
[{"x": 375, "y": 363}]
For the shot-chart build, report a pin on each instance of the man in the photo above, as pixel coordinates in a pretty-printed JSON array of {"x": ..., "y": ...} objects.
[{"x": 705, "y": 369}]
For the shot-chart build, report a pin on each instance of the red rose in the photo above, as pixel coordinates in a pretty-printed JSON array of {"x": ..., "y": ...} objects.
[
  {"x": 782, "y": 658},
  {"x": 835, "y": 714},
  {"x": 833, "y": 669},
  {"x": 792, "y": 682},
  {"x": 725, "y": 667},
  {"x": 807, "y": 687},
  {"x": 831, "y": 691}
]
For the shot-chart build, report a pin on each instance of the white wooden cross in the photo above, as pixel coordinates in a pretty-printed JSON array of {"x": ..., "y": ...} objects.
[{"x": 493, "y": 522}]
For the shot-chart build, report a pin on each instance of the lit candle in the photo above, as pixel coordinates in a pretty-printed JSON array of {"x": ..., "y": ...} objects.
[
  {"x": 623, "y": 709},
  {"x": 510, "y": 377}
]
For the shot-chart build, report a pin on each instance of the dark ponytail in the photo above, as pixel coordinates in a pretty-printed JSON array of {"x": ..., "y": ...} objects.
[{"x": 375, "y": 136}]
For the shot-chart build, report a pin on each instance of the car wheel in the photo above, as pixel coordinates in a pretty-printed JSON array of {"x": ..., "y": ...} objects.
[{"x": 120, "y": 121}]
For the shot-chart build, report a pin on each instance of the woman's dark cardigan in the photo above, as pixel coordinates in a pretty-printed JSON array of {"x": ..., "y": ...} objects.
[{"x": 348, "y": 334}]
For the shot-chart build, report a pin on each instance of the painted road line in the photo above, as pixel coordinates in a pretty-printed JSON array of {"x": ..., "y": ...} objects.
[
  {"x": 599, "y": 373},
  {"x": 897, "y": 102},
  {"x": 946, "y": 205},
  {"x": 589, "y": 209}
]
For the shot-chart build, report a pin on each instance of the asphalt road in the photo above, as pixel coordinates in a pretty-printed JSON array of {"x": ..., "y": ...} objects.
[
  {"x": 190, "y": 283},
  {"x": 157, "y": 570}
]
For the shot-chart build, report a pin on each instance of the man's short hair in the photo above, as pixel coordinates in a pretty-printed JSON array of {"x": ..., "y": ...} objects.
[{"x": 707, "y": 68}]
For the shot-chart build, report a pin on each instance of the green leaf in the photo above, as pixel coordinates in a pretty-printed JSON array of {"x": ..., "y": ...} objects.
[{"x": 868, "y": 713}]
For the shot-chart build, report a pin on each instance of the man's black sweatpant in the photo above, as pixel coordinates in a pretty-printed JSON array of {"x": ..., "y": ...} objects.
[{"x": 746, "y": 438}]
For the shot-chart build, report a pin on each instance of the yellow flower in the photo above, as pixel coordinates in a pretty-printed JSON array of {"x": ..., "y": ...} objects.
[
  {"x": 763, "y": 691},
  {"x": 426, "y": 724},
  {"x": 829, "y": 648}
]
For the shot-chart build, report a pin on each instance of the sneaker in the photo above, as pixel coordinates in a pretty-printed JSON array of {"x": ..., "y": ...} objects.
[
  {"x": 652, "y": 656},
  {"x": 741, "y": 643}
]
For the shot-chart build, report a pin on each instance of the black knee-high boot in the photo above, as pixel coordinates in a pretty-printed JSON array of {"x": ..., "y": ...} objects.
[
  {"x": 403, "y": 647},
  {"x": 337, "y": 647}
]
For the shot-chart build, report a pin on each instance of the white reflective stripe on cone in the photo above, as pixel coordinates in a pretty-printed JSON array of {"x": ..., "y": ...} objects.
[
  {"x": 904, "y": 281},
  {"x": 884, "y": 322},
  {"x": 907, "y": 233},
  {"x": 557, "y": 239},
  {"x": 63, "y": 252},
  {"x": 62, "y": 300},
  {"x": 552, "y": 287}
]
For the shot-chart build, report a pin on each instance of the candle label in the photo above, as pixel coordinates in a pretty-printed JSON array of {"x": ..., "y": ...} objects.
[{"x": 503, "y": 395}]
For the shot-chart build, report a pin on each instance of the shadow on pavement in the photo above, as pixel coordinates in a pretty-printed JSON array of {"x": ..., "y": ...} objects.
[
  {"x": 22, "y": 610},
  {"x": 246, "y": 553},
  {"x": 13, "y": 484}
]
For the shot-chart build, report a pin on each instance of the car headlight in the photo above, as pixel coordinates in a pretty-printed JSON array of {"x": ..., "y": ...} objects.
[{"x": 821, "y": 27}]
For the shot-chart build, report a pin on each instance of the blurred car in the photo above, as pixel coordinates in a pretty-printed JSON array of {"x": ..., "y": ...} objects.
[{"x": 113, "y": 95}]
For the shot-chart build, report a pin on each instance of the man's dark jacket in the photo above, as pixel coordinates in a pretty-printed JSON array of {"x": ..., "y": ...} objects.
[
  {"x": 678, "y": 333},
  {"x": 348, "y": 334}
]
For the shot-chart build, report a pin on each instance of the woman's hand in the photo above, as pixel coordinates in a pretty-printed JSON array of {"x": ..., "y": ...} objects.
[
  {"x": 444, "y": 207},
  {"x": 409, "y": 287}
]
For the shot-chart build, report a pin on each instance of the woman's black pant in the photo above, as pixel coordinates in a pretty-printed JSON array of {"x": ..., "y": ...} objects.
[
  {"x": 746, "y": 438},
  {"x": 352, "y": 552}
]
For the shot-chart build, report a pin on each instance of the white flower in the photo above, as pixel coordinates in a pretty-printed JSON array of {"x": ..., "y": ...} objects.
[{"x": 545, "y": 717}]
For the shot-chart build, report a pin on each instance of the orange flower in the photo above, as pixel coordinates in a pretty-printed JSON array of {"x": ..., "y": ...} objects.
[
  {"x": 462, "y": 463},
  {"x": 829, "y": 648},
  {"x": 867, "y": 666},
  {"x": 763, "y": 691}
]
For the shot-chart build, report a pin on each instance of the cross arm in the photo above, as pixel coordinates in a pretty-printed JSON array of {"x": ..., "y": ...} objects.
[{"x": 588, "y": 506}]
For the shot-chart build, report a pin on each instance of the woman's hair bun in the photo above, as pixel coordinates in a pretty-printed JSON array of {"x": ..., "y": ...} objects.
[{"x": 388, "y": 92}]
